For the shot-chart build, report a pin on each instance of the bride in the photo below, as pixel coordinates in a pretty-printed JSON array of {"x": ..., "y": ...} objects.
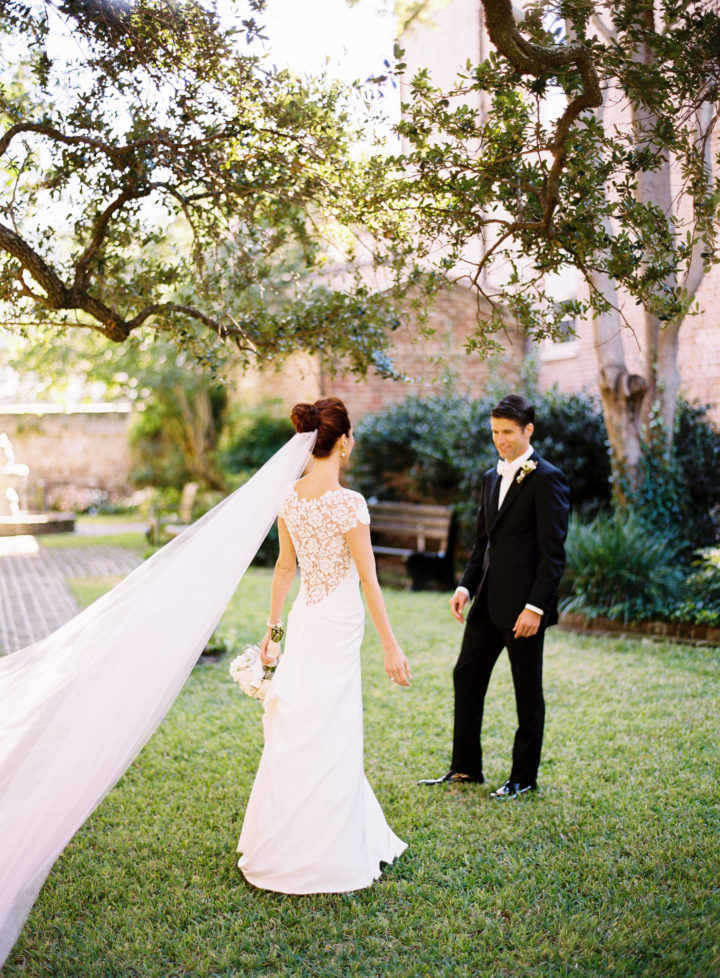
[
  {"x": 77, "y": 707},
  {"x": 313, "y": 824}
]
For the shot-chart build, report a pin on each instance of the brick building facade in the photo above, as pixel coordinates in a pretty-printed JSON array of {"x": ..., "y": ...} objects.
[{"x": 432, "y": 365}]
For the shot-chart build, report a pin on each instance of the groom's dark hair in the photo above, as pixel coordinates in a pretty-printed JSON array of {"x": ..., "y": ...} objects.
[{"x": 516, "y": 408}]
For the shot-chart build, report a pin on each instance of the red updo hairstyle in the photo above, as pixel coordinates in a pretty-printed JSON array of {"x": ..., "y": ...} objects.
[{"x": 328, "y": 417}]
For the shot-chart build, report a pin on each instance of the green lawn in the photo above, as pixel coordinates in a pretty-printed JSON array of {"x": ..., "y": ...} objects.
[
  {"x": 111, "y": 521},
  {"x": 612, "y": 869},
  {"x": 71, "y": 541}
]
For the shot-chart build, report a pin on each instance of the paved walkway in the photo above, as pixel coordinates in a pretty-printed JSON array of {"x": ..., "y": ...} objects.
[{"x": 34, "y": 595}]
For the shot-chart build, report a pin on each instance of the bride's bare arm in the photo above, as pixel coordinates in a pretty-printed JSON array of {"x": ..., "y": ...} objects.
[
  {"x": 283, "y": 576},
  {"x": 396, "y": 665}
]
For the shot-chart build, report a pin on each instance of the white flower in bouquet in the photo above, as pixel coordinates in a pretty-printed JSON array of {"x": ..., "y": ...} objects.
[{"x": 248, "y": 671}]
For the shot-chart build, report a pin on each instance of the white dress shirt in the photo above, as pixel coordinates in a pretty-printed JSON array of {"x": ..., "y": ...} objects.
[{"x": 509, "y": 471}]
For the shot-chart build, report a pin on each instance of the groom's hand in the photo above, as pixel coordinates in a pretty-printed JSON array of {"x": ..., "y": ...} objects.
[
  {"x": 457, "y": 603},
  {"x": 527, "y": 623}
]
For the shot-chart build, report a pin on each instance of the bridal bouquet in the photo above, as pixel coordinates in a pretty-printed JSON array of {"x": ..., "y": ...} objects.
[{"x": 249, "y": 672}]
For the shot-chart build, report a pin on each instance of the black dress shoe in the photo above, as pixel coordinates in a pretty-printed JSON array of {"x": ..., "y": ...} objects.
[
  {"x": 513, "y": 789},
  {"x": 453, "y": 777}
]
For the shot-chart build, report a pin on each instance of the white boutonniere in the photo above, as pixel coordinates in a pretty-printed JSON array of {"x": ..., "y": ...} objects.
[{"x": 525, "y": 469}]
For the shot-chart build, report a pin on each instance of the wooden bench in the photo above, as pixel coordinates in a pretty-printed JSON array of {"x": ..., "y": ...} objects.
[{"x": 422, "y": 535}]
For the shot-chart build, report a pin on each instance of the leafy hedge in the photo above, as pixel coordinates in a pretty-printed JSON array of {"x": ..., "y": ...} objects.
[
  {"x": 701, "y": 600},
  {"x": 616, "y": 569},
  {"x": 252, "y": 435},
  {"x": 436, "y": 449},
  {"x": 697, "y": 455}
]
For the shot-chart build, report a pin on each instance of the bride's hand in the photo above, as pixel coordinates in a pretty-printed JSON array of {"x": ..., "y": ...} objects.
[
  {"x": 266, "y": 659},
  {"x": 397, "y": 666}
]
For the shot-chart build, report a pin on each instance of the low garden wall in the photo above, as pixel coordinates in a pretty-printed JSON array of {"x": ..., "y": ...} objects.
[
  {"x": 70, "y": 452},
  {"x": 661, "y": 630}
]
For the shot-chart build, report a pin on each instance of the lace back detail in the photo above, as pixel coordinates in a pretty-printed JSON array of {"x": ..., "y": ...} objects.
[{"x": 317, "y": 528}]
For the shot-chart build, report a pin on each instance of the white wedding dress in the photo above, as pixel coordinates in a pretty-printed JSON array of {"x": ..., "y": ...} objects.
[{"x": 313, "y": 824}]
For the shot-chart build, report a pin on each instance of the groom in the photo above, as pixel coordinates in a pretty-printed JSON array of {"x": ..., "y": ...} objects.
[{"x": 512, "y": 577}]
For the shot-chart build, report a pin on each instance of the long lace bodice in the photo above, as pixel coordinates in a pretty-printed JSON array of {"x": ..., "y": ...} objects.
[{"x": 317, "y": 528}]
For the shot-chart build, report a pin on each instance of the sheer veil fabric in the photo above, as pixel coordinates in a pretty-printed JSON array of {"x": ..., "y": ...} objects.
[{"x": 77, "y": 707}]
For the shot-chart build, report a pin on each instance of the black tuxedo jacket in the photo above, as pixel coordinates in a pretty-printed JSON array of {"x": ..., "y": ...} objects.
[{"x": 519, "y": 551}]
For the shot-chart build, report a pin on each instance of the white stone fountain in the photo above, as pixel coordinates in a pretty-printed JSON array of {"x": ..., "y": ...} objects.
[
  {"x": 13, "y": 477},
  {"x": 13, "y": 520}
]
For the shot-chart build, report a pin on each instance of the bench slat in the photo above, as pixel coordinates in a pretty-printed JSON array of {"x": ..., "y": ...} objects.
[
  {"x": 422, "y": 534},
  {"x": 416, "y": 519},
  {"x": 392, "y": 551},
  {"x": 409, "y": 529},
  {"x": 422, "y": 523},
  {"x": 419, "y": 509}
]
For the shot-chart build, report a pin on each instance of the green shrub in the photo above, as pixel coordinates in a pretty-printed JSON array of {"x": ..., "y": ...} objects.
[
  {"x": 697, "y": 453},
  {"x": 427, "y": 450},
  {"x": 570, "y": 433},
  {"x": 678, "y": 492},
  {"x": 252, "y": 435},
  {"x": 174, "y": 439},
  {"x": 616, "y": 569},
  {"x": 702, "y": 590}
]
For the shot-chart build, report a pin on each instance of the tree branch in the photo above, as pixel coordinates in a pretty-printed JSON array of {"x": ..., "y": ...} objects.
[
  {"x": 705, "y": 120},
  {"x": 529, "y": 58},
  {"x": 117, "y": 154},
  {"x": 28, "y": 292},
  {"x": 82, "y": 269},
  {"x": 234, "y": 333},
  {"x": 58, "y": 296},
  {"x": 120, "y": 155},
  {"x": 36, "y": 265}
]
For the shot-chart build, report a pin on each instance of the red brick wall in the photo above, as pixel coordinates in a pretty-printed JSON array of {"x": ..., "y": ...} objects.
[
  {"x": 699, "y": 358},
  {"x": 432, "y": 365},
  {"x": 453, "y": 318}
]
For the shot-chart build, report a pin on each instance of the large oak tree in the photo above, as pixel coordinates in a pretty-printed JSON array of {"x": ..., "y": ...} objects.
[{"x": 159, "y": 175}]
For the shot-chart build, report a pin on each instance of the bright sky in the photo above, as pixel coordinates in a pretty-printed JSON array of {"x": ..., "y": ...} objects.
[{"x": 354, "y": 41}]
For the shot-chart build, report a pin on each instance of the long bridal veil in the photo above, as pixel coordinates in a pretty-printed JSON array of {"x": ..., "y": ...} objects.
[{"x": 77, "y": 707}]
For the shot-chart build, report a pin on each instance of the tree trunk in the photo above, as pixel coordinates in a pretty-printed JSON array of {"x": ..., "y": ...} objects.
[
  {"x": 661, "y": 339},
  {"x": 621, "y": 394},
  {"x": 667, "y": 379},
  {"x": 198, "y": 438},
  {"x": 630, "y": 401}
]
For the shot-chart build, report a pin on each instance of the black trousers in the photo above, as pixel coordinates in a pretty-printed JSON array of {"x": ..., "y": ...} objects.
[{"x": 482, "y": 644}]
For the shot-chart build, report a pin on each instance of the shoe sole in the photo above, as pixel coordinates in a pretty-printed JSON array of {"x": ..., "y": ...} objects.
[
  {"x": 517, "y": 794},
  {"x": 434, "y": 781}
]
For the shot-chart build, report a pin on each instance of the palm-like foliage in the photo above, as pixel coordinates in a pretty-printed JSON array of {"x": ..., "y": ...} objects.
[{"x": 617, "y": 568}]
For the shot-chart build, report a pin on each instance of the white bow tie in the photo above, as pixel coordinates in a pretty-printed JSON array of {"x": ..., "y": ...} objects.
[{"x": 506, "y": 468}]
